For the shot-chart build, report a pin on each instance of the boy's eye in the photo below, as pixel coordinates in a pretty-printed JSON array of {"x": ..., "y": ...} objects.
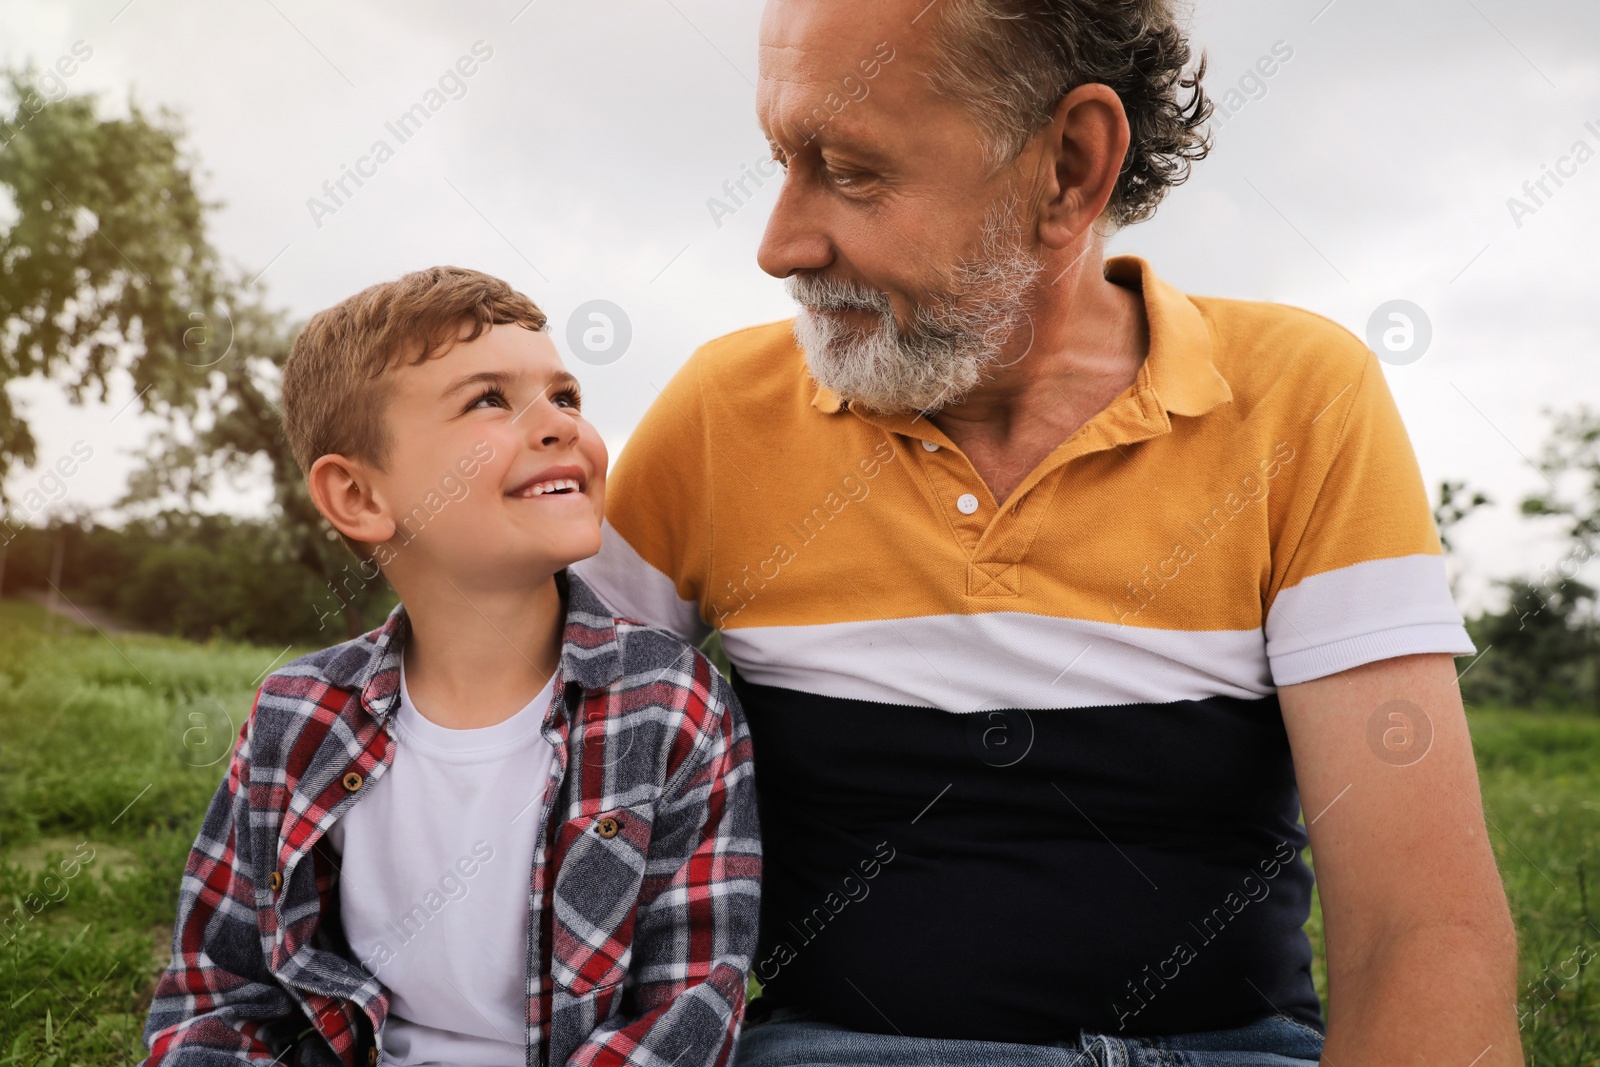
[
  {"x": 493, "y": 396},
  {"x": 491, "y": 393}
]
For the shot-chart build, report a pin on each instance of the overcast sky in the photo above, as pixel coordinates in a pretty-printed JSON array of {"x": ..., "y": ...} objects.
[{"x": 1374, "y": 164}]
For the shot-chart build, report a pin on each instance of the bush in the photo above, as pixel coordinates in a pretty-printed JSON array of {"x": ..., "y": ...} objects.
[{"x": 195, "y": 576}]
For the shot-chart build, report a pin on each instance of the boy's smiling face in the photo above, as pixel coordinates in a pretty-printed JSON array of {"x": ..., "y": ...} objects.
[{"x": 492, "y": 473}]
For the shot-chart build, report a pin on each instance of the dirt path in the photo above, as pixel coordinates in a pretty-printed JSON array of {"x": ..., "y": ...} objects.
[{"x": 82, "y": 614}]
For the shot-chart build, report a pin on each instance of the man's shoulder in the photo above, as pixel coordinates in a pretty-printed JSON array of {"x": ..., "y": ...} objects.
[
  {"x": 1260, "y": 346},
  {"x": 756, "y": 359},
  {"x": 750, "y": 378},
  {"x": 760, "y": 344}
]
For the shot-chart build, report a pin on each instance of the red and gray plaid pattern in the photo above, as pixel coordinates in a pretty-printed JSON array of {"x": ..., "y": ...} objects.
[{"x": 646, "y": 870}]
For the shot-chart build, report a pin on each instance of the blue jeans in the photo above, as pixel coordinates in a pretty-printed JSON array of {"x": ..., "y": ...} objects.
[{"x": 788, "y": 1039}]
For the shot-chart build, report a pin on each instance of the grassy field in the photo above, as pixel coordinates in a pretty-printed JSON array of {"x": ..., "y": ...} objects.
[{"x": 108, "y": 755}]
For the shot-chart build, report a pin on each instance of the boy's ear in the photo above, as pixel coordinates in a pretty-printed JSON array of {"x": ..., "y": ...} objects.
[{"x": 341, "y": 488}]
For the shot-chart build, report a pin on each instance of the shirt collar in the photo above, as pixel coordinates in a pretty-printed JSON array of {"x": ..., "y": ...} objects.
[
  {"x": 1179, "y": 372},
  {"x": 590, "y": 652},
  {"x": 1182, "y": 373}
]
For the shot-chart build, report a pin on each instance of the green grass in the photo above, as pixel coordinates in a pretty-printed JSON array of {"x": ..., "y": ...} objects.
[
  {"x": 1540, "y": 775},
  {"x": 112, "y": 752},
  {"x": 1541, "y": 790},
  {"x": 108, "y": 756}
]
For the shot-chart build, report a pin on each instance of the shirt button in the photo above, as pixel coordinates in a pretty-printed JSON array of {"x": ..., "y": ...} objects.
[
  {"x": 372, "y": 1056},
  {"x": 275, "y": 881},
  {"x": 966, "y": 503},
  {"x": 352, "y": 781},
  {"x": 930, "y": 446}
]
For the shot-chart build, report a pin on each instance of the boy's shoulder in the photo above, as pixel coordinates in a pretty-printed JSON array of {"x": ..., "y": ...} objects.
[
  {"x": 633, "y": 650},
  {"x": 652, "y": 655},
  {"x": 349, "y": 663},
  {"x": 670, "y": 712},
  {"x": 323, "y": 683}
]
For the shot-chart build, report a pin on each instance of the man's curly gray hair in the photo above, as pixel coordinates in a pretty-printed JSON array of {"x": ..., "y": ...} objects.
[{"x": 1011, "y": 62}]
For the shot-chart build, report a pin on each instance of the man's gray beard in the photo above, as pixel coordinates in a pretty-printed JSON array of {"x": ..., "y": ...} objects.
[{"x": 951, "y": 341}]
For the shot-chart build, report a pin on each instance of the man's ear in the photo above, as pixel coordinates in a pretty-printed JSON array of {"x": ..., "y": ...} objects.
[
  {"x": 342, "y": 490},
  {"x": 1088, "y": 140}
]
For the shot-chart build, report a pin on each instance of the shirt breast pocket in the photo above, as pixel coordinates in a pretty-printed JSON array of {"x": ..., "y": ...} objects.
[{"x": 596, "y": 897}]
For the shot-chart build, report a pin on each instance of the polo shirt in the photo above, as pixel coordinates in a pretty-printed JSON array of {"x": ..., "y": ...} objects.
[{"x": 1021, "y": 764}]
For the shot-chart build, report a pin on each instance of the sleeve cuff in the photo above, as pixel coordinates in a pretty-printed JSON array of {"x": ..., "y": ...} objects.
[{"x": 1319, "y": 661}]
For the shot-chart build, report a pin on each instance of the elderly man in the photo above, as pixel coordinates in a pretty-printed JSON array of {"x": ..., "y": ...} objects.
[{"x": 1055, "y": 595}]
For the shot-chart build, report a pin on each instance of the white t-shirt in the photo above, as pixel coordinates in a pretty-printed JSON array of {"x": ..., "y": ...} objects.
[{"x": 435, "y": 872}]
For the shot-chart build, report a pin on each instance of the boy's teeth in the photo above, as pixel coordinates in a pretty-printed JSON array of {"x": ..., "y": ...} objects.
[{"x": 554, "y": 487}]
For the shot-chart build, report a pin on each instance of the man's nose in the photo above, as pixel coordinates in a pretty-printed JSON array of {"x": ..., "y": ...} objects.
[{"x": 794, "y": 239}]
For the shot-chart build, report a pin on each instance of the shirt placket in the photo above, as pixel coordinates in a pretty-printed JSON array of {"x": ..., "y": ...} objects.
[
  {"x": 995, "y": 538},
  {"x": 538, "y": 983},
  {"x": 335, "y": 1019}
]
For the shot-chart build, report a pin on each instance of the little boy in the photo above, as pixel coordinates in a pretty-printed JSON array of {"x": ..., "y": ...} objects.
[{"x": 505, "y": 828}]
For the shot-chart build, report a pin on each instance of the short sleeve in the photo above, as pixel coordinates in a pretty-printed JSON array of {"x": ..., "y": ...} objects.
[
  {"x": 1357, "y": 572},
  {"x": 656, "y": 540}
]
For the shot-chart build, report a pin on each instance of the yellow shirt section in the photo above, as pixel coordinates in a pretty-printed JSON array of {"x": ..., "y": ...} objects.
[{"x": 1259, "y": 446}]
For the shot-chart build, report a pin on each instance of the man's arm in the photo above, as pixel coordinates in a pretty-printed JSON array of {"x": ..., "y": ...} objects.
[
  {"x": 1422, "y": 954},
  {"x": 695, "y": 933},
  {"x": 218, "y": 1002}
]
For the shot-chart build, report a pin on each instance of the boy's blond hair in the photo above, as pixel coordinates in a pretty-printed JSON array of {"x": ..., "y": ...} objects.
[{"x": 336, "y": 387}]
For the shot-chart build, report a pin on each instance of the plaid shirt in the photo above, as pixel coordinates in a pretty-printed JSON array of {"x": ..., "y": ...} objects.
[{"x": 640, "y": 944}]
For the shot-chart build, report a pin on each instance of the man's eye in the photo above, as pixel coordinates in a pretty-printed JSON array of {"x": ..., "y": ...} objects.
[{"x": 843, "y": 179}]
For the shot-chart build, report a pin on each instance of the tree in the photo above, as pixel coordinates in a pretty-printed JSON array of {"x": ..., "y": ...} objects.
[
  {"x": 104, "y": 265},
  {"x": 1572, "y": 457},
  {"x": 1539, "y": 647},
  {"x": 107, "y": 271},
  {"x": 1454, "y": 505},
  {"x": 233, "y": 429}
]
